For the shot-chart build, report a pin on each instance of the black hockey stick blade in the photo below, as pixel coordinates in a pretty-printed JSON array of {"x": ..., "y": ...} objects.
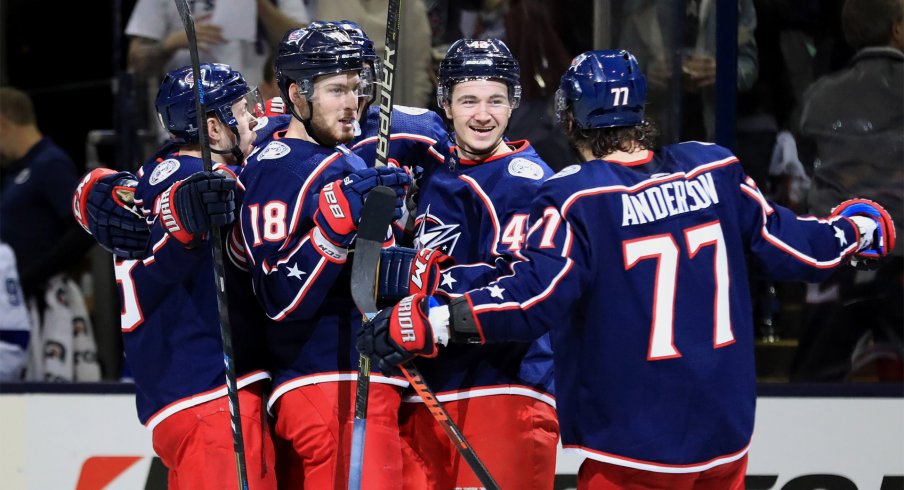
[{"x": 376, "y": 216}]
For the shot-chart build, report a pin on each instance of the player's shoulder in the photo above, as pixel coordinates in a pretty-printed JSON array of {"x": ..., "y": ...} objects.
[
  {"x": 692, "y": 154},
  {"x": 409, "y": 113},
  {"x": 419, "y": 121},
  {"x": 266, "y": 128},
  {"x": 158, "y": 174},
  {"x": 167, "y": 169},
  {"x": 522, "y": 164}
]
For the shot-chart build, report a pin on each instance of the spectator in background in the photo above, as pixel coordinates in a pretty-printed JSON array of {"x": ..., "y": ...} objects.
[
  {"x": 38, "y": 180},
  {"x": 531, "y": 32},
  {"x": 269, "y": 90},
  {"x": 158, "y": 42},
  {"x": 412, "y": 76},
  {"x": 648, "y": 31},
  {"x": 37, "y": 183},
  {"x": 15, "y": 330},
  {"x": 855, "y": 118}
]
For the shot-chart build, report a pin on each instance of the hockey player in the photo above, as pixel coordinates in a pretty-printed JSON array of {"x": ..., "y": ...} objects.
[
  {"x": 303, "y": 195},
  {"x": 635, "y": 264},
  {"x": 170, "y": 322},
  {"x": 474, "y": 208}
]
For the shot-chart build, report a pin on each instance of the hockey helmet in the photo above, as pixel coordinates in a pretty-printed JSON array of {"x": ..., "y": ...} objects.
[
  {"x": 478, "y": 59},
  {"x": 175, "y": 103},
  {"x": 603, "y": 89},
  {"x": 359, "y": 37},
  {"x": 305, "y": 54}
]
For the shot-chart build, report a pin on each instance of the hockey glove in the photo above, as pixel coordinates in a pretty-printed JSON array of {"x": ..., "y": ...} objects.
[
  {"x": 340, "y": 202},
  {"x": 406, "y": 271},
  {"x": 876, "y": 228},
  {"x": 399, "y": 334},
  {"x": 104, "y": 205},
  {"x": 193, "y": 206}
]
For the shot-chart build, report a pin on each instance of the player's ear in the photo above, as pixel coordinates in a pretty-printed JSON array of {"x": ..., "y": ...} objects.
[
  {"x": 214, "y": 129},
  {"x": 295, "y": 94}
]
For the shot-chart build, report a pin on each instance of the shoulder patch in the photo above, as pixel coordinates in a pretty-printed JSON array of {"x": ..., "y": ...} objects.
[
  {"x": 261, "y": 123},
  {"x": 163, "y": 170},
  {"x": 522, "y": 167},
  {"x": 22, "y": 177},
  {"x": 274, "y": 150},
  {"x": 565, "y": 172},
  {"x": 413, "y": 111}
]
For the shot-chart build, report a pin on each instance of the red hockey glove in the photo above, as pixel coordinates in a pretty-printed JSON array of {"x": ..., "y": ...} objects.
[
  {"x": 340, "y": 202},
  {"x": 876, "y": 228},
  {"x": 397, "y": 335}
]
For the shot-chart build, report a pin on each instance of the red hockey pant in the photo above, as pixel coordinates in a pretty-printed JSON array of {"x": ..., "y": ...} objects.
[
  {"x": 514, "y": 436},
  {"x": 313, "y": 436},
  {"x": 196, "y": 445}
]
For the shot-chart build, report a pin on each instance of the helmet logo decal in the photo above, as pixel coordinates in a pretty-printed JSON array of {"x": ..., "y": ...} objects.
[{"x": 295, "y": 35}]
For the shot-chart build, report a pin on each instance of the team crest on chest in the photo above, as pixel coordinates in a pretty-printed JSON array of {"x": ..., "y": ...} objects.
[
  {"x": 163, "y": 170},
  {"x": 522, "y": 167},
  {"x": 433, "y": 233}
]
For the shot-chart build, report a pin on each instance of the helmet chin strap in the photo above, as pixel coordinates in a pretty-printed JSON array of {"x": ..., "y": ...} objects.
[{"x": 307, "y": 122}]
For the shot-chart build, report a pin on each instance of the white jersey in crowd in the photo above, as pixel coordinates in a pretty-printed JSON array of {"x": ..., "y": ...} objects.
[{"x": 14, "y": 327}]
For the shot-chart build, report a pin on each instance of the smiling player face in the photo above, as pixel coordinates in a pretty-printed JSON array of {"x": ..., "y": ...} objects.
[{"x": 480, "y": 111}]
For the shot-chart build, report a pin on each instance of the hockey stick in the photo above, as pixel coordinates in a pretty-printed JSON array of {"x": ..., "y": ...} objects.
[
  {"x": 364, "y": 269},
  {"x": 376, "y": 216},
  {"x": 217, "y": 251}
]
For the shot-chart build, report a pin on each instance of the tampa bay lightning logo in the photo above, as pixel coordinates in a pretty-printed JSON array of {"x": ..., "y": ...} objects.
[{"x": 433, "y": 233}]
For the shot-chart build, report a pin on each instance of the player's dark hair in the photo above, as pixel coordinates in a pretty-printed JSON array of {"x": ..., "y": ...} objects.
[
  {"x": 16, "y": 106},
  {"x": 870, "y": 22},
  {"x": 603, "y": 141}
]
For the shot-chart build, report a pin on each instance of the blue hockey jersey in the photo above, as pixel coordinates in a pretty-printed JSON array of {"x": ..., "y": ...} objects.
[
  {"x": 477, "y": 213},
  {"x": 300, "y": 279},
  {"x": 638, "y": 271},
  {"x": 414, "y": 134},
  {"x": 169, "y": 319}
]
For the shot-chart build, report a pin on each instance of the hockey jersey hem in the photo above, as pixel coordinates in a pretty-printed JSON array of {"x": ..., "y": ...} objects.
[
  {"x": 200, "y": 398},
  {"x": 488, "y": 391},
  {"x": 651, "y": 466},
  {"x": 313, "y": 379}
]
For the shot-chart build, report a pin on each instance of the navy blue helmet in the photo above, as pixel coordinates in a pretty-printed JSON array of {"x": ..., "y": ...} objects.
[
  {"x": 305, "y": 54},
  {"x": 603, "y": 89},
  {"x": 359, "y": 37},
  {"x": 478, "y": 59},
  {"x": 175, "y": 102}
]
